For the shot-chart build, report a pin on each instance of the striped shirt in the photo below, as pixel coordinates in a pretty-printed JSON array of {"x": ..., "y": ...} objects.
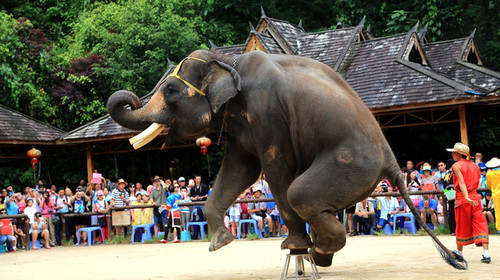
[{"x": 118, "y": 200}]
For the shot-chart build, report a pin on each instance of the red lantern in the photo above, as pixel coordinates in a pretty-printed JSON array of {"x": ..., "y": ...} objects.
[
  {"x": 203, "y": 143},
  {"x": 34, "y": 154}
]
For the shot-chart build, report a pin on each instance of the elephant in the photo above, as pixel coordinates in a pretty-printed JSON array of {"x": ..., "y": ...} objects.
[{"x": 293, "y": 118}]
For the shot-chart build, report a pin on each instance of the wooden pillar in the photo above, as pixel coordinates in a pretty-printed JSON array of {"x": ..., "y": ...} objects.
[
  {"x": 90, "y": 163},
  {"x": 463, "y": 125}
]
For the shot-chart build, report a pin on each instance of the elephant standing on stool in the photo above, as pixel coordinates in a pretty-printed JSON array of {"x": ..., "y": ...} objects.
[{"x": 292, "y": 117}]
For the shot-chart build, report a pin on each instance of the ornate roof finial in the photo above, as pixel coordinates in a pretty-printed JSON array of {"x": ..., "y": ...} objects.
[
  {"x": 422, "y": 32},
  {"x": 263, "y": 13},
  {"x": 339, "y": 24},
  {"x": 473, "y": 33},
  {"x": 415, "y": 28},
  {"x": 362, "y": 22},
  {"x": 300, "y": 23},
  {"x": 252, "y": 29},
  {"x": 213, "y": 46}
]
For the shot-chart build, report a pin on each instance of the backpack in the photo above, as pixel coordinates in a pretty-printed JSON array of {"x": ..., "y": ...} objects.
[{"x": 198, "y": 215}]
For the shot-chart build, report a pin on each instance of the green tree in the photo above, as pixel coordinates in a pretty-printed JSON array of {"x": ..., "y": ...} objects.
[{"x": 137, "y": 38}]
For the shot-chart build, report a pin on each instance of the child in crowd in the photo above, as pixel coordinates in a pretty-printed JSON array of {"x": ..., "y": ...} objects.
[
  {"x": 147, "y": 217},
  {"x": 174, "y": 213},
  {"x": 185, "y": 211},
  {"x": 234, "y": 218}
]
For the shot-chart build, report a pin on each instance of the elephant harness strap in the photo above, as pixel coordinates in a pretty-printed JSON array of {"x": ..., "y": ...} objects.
[{"x": 176, "y": 71}]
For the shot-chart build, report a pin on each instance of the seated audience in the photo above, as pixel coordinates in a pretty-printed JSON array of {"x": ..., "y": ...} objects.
[
  {"x": 258, "y": 212},
  {"x": 7, "y": 233},
  {"x": 488, "y": 208},
  {"x": 388, "y": 207},
  {"x": 363, "y": 215},
  {"x": 40, "y": 231},
  {"x": 428, "y": 208}
]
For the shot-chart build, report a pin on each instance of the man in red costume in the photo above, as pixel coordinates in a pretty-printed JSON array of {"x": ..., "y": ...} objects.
[{"x": 471, "y": 224}]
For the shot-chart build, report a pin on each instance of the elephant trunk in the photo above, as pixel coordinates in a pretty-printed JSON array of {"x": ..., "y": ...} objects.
[{"x": 137, "y": 118}]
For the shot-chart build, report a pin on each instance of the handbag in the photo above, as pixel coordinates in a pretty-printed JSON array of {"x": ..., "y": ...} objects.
[
  {"x": 55, "y": 218},
  {"x": 102, "y": 222}
]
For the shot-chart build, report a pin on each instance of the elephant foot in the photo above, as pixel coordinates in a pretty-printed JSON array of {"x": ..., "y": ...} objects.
[
  {"x": 296, "y": 242},
  {"x": 221, "y": 238},
  {"x": 323, "y": 260}
]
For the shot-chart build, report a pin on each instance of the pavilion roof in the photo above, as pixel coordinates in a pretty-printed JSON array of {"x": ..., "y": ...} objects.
[{"x": 16, "y": 127}]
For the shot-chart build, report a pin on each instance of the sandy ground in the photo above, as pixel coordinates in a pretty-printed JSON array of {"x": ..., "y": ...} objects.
[{"x": 364, "y": 257}]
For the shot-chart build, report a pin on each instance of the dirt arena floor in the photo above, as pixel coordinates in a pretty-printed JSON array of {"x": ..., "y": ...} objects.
[{"x": 364, "y": 257}]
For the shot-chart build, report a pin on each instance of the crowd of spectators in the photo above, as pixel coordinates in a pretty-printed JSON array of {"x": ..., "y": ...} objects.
[
  {"x": 379, "y": 211},
  {"x": 41, "y": 204}
]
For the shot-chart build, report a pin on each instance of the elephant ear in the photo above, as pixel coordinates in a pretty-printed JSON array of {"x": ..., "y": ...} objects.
[{"x": 223, "y": 84}]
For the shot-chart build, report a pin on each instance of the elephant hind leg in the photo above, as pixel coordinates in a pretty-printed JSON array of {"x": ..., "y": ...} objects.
[{"x": 316, "y": 203}]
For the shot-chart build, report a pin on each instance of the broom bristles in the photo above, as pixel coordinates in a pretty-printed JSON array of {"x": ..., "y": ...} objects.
[{"x": 456, "y": 261}]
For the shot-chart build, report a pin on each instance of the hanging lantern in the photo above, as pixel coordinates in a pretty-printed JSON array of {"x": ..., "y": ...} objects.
[
  {"x": 34, "y": 154},
  {"x": 203, "y": 143}
]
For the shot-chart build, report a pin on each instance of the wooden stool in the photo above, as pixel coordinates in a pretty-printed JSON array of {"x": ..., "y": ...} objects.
[{"x": 300, "y": 272}]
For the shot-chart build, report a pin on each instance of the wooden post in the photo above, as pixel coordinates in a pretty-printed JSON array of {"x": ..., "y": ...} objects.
[
  {"x": 463, "y": 125},
  {"x": 90, "y": 163}
]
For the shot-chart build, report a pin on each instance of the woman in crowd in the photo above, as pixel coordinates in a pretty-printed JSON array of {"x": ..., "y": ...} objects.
[
  {"x": 39, "y": 231},
  {"x": 19, "y": 231},
  {"x": 429, "y": 182},
  {"x": 413, "y": 184},
  {"x": 107, "y": 195},
  {"x": 132, "y": 194},
  {"x": 101, "y": 206},
  {"x": 137, "y": 214},
  {"x": 147, "y": 217},
  {"x": 80, "y": 205},
  {"x": 47, "y": 210}
]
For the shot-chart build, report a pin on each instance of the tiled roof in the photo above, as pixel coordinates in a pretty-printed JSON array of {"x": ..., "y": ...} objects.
[
  {"x": 231, "y": 50},
  {"x": 288, "y": 32},
  {"x": 375, "y": 73},
  {"x": 15, "y": 126},
  {"x": 325, "y": 46},
  {"x": 444, "y": 57},
  {"x": 269, "y": 43}
]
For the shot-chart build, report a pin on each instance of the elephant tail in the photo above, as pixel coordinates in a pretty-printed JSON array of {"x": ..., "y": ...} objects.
[{"x": 396, "y": 178}]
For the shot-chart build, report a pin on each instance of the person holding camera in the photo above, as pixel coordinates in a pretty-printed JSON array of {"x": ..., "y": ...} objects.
[
  {"x": 47, "y": 210},
  {"x": 80, "y": 205},
  {"x": 428, "y": 208},
  {"x": 39, "y": 230},
  {"x": 258, "y": 211},
  {"x": 62, "y": 205},
  {"x": 388, "y": 207}
]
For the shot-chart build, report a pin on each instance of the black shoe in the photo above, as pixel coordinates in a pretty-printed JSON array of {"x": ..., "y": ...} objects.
[
  {"x": 486, "y": 259},
  {"x": 458, "y": 256},
  {"x": 354, "y": 233}
]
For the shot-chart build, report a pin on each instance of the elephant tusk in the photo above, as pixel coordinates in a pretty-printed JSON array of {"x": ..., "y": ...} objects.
[{"x": 147, "y": 135}]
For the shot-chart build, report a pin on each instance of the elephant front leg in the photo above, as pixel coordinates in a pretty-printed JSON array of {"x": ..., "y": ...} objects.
[{"x": 238, "y": 172}]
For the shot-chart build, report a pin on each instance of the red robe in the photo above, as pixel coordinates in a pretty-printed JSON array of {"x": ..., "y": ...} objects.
[{"x": 471, "y": 223}]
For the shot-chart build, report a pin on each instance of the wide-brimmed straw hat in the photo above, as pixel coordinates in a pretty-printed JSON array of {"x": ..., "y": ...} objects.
[
  {"x": 121, "y": 181},
  {"x": 494, "y": 162},
  {"x": 460, "y": 148}
]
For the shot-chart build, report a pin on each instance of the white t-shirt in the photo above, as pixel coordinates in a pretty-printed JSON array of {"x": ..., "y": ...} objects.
[{"x": 30, "y": 212}]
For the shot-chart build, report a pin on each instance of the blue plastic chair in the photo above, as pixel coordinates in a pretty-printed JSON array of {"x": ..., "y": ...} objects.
[
  {"x": 198, "y": 224},
  {"x": 142, "y": 237},
  {"x": 89, "y": 231},
  {"x": 411, "y": 223},
  {"x": 249, "y": 221}
]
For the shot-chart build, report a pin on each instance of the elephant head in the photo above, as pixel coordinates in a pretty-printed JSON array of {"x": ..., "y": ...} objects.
[{"x": 184, "y": 102}]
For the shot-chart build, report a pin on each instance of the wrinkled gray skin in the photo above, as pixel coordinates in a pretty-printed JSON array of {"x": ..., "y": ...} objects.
[{"x": 294, "y": 118}]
